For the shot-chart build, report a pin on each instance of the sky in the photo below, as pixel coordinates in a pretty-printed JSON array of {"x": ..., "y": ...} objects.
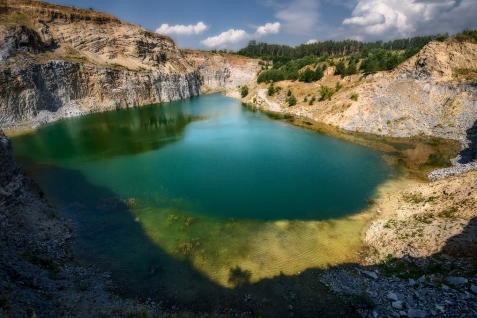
[{"x": 230, "y": 25}]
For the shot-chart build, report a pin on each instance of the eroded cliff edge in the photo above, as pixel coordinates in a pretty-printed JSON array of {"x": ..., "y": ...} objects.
[{"x": 58, "y": 61}]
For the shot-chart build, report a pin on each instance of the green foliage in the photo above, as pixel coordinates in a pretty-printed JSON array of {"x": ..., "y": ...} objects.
[
  {"x": 337, "y": 87},
  {"x": 380, "y": 60},
  {"x": 244, "y": 91},
  {"x": 326, "y": 93},
  {"x": 309, "y": 76},
  {"x": 282, "y": 54},
  {"x": 305, "y": 99},
  {"x": 354, "y": 97},
  {"x": 271, "y": 90},
  {"x": 467, "y": 36},
  {"x": 352, "y": 68},
  {"x": 291, "y": 100},
  {"x": 289, "y": 93},
  {"x": 340, "y": 69},
  {"x": 312, "y": 100}
]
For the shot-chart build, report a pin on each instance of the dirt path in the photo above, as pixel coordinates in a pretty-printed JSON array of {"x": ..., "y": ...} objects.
[{"x": 274, "y": 107}]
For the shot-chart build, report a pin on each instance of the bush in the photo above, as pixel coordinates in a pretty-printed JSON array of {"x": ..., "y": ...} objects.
[
  {"x": 337, "y": 87},
  {"x": 340, "y": 69},
  {"x": 354, "y": 97},
  {"x": 326, "y": 93},
  {"x": 312, "y": 100},
  {"x": 292, "y": 100},
  {"x": 244, "y": 91},
  {"x": 271, "y": 90}
]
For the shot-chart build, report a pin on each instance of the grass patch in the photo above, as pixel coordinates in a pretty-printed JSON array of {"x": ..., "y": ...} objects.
[
  {"x": 467, "y": 74},
  {"x": 448, "y": 213},
  {"x": 413, "y": 197},
  {"x": 16, "y": 17}
]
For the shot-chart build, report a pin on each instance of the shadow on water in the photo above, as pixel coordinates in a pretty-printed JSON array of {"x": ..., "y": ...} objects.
[
  {"x": 469, "y": 154},
  {"x": 107, "y": 235}
]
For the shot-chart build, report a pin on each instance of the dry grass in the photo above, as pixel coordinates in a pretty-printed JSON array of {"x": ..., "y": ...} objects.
[{"x": 467, "y": 74}]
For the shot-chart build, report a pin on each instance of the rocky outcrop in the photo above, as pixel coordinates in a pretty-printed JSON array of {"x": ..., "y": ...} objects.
[
  {"x": 58, "y": 61},
  {"x": 221, "y": 72},
  {"x": 41, "y": 92}
]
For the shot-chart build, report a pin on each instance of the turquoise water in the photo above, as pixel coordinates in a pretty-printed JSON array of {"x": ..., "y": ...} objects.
[
  {"x": 187, "y": 202},
  {"x": 213, "y": 155}
]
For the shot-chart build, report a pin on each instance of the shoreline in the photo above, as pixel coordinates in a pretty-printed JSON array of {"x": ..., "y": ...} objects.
[{"x": 386, "y": 210}]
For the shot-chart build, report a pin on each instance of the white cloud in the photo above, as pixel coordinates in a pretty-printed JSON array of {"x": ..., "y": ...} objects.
[
  {"x": 299, "y": 16},
  {"x": 388, "y": 19},
  {"x": 269, "y": 28},
  {"x": 311, "y": 41},
  {"x": 230, "y": 36},
  {"x": 182, "y": 29},
  {"x": 236, "y": 36}
]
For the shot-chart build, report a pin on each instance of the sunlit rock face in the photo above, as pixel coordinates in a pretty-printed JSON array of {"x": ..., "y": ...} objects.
[{"x": 59, "y": 62}]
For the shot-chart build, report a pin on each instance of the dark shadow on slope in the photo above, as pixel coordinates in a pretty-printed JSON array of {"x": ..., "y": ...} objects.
[
  {"x": 461, "y": 249},
  {"x": 108, "y": 236},
  {"x": 469, "y": 154}
]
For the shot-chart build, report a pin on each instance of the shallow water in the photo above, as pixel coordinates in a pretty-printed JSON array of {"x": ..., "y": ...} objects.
[{"x": 201, "y": 193}]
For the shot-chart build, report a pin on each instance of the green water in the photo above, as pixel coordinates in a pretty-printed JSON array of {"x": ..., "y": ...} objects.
[{"x": 184, "y": 193}]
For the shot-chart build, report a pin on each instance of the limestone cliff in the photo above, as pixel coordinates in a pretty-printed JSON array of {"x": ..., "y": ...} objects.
[
  {"x": 222, "y": 71},
  {"x": 58, "y": 61}
]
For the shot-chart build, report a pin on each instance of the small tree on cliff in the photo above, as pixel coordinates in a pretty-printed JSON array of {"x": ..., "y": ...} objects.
[{"x": 244, "y": 91}]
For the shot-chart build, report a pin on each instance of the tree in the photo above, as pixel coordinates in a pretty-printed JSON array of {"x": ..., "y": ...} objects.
[
  {"x": 308, "y": 76},
  {"x": 351, "y": 68},
  {"x": 292, "y": 100},
  {"x": 319, "y": 73},
  {"x": 244, "y": 91},
  {"x": 340, "y": 69},
  {"x": 326, "y": 93}
]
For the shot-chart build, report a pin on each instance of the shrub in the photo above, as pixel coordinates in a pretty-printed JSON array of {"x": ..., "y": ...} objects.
[
  {"x": 244, "y": 91},
  {"x": 292, "y": 100},
  {"x": 354, "y": 97},
  {"x": 326, "y": 93},
  {"x": 337, "y": 87}
]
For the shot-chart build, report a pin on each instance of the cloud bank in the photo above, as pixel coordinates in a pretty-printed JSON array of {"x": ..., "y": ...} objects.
[{"x": 390, "y": 19}]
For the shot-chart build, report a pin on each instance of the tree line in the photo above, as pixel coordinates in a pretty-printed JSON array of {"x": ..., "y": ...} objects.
[{"x": 284, "y": 53}]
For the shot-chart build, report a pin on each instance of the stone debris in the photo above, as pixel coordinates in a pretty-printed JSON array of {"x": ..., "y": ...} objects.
[{"x": 396, "y": 297}]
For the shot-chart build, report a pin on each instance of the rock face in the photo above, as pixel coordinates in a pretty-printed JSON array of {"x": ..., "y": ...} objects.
[
  {"x": 222, "y": 72},
  {"x": 34, "y": 92},
  {"x": 58, "y": 61}
]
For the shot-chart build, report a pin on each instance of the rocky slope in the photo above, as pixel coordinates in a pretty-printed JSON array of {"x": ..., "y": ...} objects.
[
  {"x": 424, "y": 96},
  {"x": 58, "y": 61}
]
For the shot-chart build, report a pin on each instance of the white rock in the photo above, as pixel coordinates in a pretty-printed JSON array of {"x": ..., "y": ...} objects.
[
  {"x": 392, "y": 296},
  {"x": 397, "y": 304},
  {"x": 371, "y": 274}
]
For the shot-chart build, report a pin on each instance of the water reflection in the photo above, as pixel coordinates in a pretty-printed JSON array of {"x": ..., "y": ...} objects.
[{"x": 125, "y": 132}]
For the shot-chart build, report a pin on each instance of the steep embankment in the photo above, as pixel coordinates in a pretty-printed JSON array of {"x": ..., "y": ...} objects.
[
  {"x": 58, "y": 61},
  {"x": 431, "y": 94}
]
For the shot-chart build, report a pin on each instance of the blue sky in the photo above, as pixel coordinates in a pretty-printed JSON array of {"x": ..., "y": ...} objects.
[{"x": 220, "y": 24}]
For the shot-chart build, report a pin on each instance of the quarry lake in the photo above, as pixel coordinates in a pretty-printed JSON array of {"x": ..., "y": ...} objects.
[{"x": 203, "y": 192}]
